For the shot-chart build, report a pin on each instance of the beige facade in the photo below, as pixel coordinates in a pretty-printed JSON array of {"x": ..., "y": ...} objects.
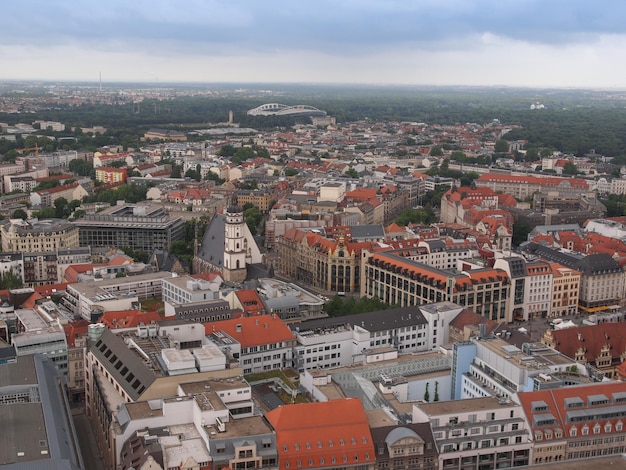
[
  {"x": 41, "y": 236},
  {"x": 565, "y": 286}
]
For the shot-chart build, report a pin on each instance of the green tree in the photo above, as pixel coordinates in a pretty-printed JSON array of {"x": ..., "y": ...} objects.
[
  {"x": 436, "y": 151},
  {"x": 10, "y": 280},
  {"x": 81, "y": 167},
  {"x": 61, "y": 208},
  {"x": 520, "y": 233},
  {"x": 570, "y": 168},
  {"x": 426, "y": 394},
  {"x": 436, "y": 391},
  {"x": 502, "y": 146},
  {"x": 19, "y": 214},
  {"x": 289, "y": 171},
  {"x": 352, "y": 173},
  {"x": 45, "y": 213}
]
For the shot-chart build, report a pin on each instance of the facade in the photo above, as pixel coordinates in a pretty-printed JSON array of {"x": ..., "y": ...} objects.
[
  {"x": 258, "y": 344},
  {"x": 399, "y": 281},
  {"x": 477, "y": 433},
  {"x": 147, "y": 363},
  {"x": 574, "y": 423},
  {"x": 523, "y": 187},
  {"x": 28, "y": 236},
  {"x": 138, "y": 227},
  {"x": 602, "y": 346},
  {"x": 342, "y": 437},
  {"x": 324, "y": 263},
  {"x": 259, "y": 198},
  {"x": 181, "y": 290},
  {"x": 46, "y": 197},
  {"x": 601, "y": 277},
  {"x": 111, "y": 175},
  {"x": 405, "y": 447},
  {"x": 91, "y": 299},
  {"x": 489, "y": 366},
  {"x": 565, "y": 289}
]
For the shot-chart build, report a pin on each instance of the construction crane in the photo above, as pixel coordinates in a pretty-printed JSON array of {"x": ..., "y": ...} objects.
[{"x": 35, "y": 148}]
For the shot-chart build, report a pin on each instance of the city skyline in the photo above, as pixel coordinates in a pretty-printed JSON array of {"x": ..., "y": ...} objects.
[{"x": 529, "y": 43}]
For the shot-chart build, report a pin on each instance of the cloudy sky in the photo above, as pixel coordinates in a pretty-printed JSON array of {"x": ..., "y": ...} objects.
[{"x": 553, "y": 43}]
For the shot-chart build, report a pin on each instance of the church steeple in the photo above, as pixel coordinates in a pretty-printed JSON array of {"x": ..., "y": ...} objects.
[{"x": 235, "y": 245}]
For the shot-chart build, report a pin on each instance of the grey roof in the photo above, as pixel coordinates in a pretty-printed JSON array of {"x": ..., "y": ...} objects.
[
  {"x": 212, "y": 246},
  {"x": 110, "y": 349},
  {"x": 381, "y": 320},
  {"x": 367, "y": 231},
  {"x": 601, "y": 263},
  {"x": 517, "y": 266},
  {"x": 401, "y": 433},
  {"x": 40, "y": 422}
]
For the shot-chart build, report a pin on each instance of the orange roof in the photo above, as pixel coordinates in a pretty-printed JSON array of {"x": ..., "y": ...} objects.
[
  {"x": 211, "y": 276},
  {"x": 394, "y": 228},
  {"x": 74, "y": 330},
  {"x": 556, "y": 401},
  {"x": 322, "y": 434},
  {"x": 49, "y": 289},
  {"x": 128, "y": 318},
  {"x": 250, "y": 301},
  {"x": 591, "y": 339},
  {"x": 253, "y": 331},
  {"x": 550, "y": 181}
]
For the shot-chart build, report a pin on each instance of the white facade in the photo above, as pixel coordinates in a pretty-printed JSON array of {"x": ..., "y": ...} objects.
[{"x": 477, "y": 432}]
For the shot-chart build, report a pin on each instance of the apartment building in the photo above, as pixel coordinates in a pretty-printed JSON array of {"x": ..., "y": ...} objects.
[
  {"x": 145, "y": 363},
  {"x": 342, "y": 437},
  {"x": 477, "y": 432},
  {"x": 574, "y": 423},
  {"x": 522, "y": 187},
  {"x": 601, "y": 277},
  {"x": 28, "y": 236},
  {"x": 258, "y": 344},
  {"x": 105, "y": 174},
  {"x": 397, "y": 280}
]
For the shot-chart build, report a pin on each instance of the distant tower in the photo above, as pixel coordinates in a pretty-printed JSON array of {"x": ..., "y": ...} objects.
[
  {"x": 100, "y": 85},
  {"x": 230, "y": 117},
  {"x": 235, "y": 245}
]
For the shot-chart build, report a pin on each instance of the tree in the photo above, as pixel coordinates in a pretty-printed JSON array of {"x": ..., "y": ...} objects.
[
  {"x": 10, "y": 280},
  {"x": 426, "y": 394},
  {"x": 436, "y": 151},
  {"x": 502, "y": 146},
  {"x": 19, "y": 214},
  {"x": 61, "y": 208},
  {"x": 352, "y": 173},
  {"x": 45, "y": 213},
  {"x": 570, "y": 168},
  {"x": 289, "y": 171},
  {"x": 520, "y": 232},
  {"x": 436, "y": 391}
]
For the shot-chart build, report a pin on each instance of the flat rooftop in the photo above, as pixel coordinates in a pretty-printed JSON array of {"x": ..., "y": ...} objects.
[
  {"x": 461, "y": 406},
  {"x": 237, "y": 428}
]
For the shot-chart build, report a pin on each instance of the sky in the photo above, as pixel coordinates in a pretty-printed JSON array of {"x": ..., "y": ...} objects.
[{"x": 526, "y": 43}]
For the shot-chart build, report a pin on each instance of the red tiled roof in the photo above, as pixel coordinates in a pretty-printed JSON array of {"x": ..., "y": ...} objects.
[
  {"x": 253, "y": 331},
  {"x": 322, "y": 434},
  {"x": 591, "y": 339},
  {"x": 128, "y": 318}
]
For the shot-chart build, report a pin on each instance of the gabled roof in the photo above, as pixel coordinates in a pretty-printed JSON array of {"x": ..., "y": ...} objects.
[
  {"x": 128, "y": 318},
  {"x": 591, "y": 339},
  {"x": 322, "y": 434},
  {"x": 253, "y": 331}
]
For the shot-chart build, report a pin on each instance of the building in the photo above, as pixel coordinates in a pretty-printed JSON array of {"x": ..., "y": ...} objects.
[
  {"x": 69, "y": 192},
  {"x": 111, "y": 175},
  {"x": 574, "y": 423},
  {"x": 165, "y": 134},
  {"x": 35, "y": 418},
  {"x": 181, "y": 290},
  {"x": 407, "y": 446},
  {"x": 310, "y": 258},
  {"x": 400, "y": 281},
  {"x": 259, "y": 343},
  {"x": 140, "y": 227},
  {"x": 490, "y": 366},
  {"x": 91, "y": 299},
  {"x": 227, "y": 247},
  {"x": 477, "y": 432},
  {"x": 147, "y": 363},
  {"x": 523, "y": 187},
  {"x": 260, "y": 198},
  {"x": 323, "y": 435},
  {"x": 602, "y": 346},
  {"x": 601, "y": 277},
  {"x": 35, "y": 236}
]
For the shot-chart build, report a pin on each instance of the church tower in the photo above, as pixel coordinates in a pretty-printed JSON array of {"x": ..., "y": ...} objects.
[{"x": 235, "y": 245}]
